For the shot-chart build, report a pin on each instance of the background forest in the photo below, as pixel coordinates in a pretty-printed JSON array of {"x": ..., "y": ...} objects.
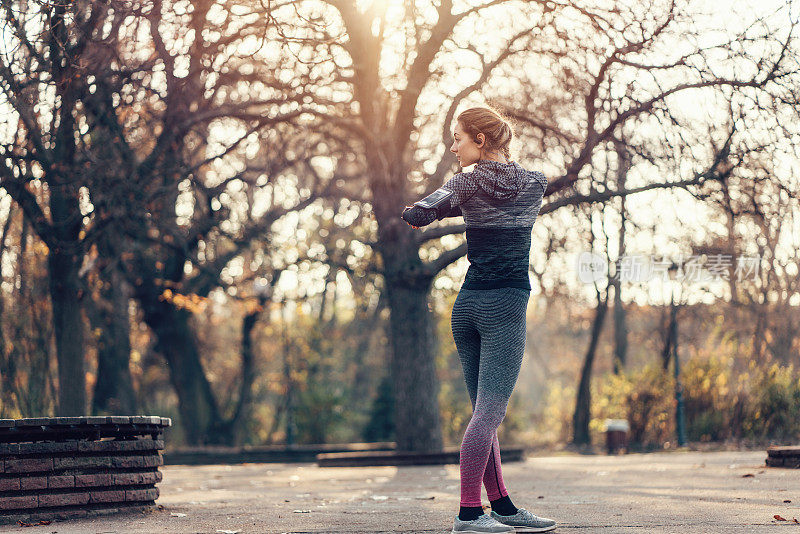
[{"x": 199, "y": 215}]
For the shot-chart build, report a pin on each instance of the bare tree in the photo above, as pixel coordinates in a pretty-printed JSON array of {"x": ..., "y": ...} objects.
[
  {"x": 610, "y": 106},
  {"x": 128, "y": 171},
  {"x": 754, "y": 255},
  {"x": 26, "y": 331},
  {"x": 578, "y": 116},
  {"x": 40, "y": 79}
]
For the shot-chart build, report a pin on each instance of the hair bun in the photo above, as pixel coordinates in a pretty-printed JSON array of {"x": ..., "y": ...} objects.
[{"x": 496, "y": 129}]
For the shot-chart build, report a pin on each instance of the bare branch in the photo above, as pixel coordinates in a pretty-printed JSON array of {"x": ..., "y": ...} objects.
[
  {"x": 419, "y": 73},
  {"x": 450, "y": 256},
  {"x": 439, "y": 231},
  {"x": 446, "y": 161},
  {"x": 27, "y": 201}
]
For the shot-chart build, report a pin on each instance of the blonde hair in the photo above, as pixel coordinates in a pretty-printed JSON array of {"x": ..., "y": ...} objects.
[{"x": 491, "y": 124}]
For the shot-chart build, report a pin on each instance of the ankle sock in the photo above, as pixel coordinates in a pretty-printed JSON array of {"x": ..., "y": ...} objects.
[
  {"x": 504, "y": 506},
  {"x": 468, "y": 513}
]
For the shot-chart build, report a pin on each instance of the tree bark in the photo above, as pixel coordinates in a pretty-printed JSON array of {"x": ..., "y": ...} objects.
[
  {"x": 666, "y": 352},
  {"x": 64, "y": 259},
  {"x": 582, "y": 415},
  {"x": 68, "y": 324},
  {"x": 176, "y": 342},
  {"x": 7, "y": 360},
  {"x": 620, "y": 324},
  {"x": 66, "y": 250},
  {"x": 415, "y": 384},
  {"x": 233, "y": 429},
  {"x": 113, "y": 391},
  {"x": 620, "y": 332}
]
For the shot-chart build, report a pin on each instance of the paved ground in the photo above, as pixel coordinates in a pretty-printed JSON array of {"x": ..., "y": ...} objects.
[{"x": 672, "y": 492}]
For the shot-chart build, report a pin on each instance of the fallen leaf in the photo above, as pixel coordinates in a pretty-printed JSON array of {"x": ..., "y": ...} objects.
[
  {"x": 779, "y": 518},
  {"x": 302, "y": 511},
  {"x": 746, "y": 475},
  {"x": 787, "y": 500},
  {"x": 541, "y": 496},
  {"x": 43, "y": 522},
  {"x": 425, "y": 498}
]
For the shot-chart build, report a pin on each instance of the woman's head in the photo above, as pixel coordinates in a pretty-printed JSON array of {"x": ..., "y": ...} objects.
[{"x": 481, "y": 133}]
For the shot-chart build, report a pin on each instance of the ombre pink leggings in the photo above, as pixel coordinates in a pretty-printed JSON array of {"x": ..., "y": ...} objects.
[{"x": 489, "y": 331}]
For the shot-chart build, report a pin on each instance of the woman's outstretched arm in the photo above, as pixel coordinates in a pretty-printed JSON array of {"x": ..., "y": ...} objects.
[
  {"x": 442, "y": 203},
  {"x": 418, "y": 216}
]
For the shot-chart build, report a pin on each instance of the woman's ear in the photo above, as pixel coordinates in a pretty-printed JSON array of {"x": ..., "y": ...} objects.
[{"x": 479, "y": 139}]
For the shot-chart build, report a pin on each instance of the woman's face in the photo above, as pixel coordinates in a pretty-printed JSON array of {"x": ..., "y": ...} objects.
[{"x": 467, "y": 151}]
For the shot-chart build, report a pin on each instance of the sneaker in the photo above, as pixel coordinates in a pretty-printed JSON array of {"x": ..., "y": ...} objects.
[
  {"x": 524, "y": 521},
  {"x": 482, "y": 524}
]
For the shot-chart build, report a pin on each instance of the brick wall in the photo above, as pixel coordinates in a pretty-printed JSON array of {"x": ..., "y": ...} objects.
[{"x": 72, "y": 466}]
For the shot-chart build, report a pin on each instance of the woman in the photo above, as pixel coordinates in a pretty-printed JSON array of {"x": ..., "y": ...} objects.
[{"x": 499, "y": 201}]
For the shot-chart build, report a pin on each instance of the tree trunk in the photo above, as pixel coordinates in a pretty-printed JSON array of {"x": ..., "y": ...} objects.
[
  {"x": 233, "y": 429},
  {"x": 7, "y": 362},
  {"x": 620, "y": 331},
  {"x": 63, "y": 261},
  {"x": 761, "y": 311},
  {"x": 415, "y": 384},
  {"x": 113, "y": 391},
  {"x": 68, "y": 325},
  {"x": 582, "y": 415},
  {"x": 666, "y": 352},
  {"x": 64, "y": 242},
  {"x": 620, "y": 325},
  {"x": 176, "y": 342}
]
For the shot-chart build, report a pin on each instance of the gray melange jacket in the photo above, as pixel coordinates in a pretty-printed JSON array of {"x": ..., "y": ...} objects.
[{"x": 499, "y": 202}]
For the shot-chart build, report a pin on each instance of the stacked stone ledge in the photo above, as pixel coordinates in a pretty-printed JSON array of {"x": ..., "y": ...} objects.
[
  {"x": 783, "y": 457},
  {"x": 62, "y": 467}
]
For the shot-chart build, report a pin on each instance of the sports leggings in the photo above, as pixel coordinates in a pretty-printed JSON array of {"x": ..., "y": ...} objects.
[{"x": 489, "y": 332}]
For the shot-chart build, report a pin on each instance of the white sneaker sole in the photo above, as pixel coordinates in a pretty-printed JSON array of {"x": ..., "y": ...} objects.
[
  {"x": 520, "y": 530},
  {"x": 481, "y": 532}
]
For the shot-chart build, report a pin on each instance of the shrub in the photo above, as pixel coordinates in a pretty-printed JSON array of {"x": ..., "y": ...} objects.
[
  {"x": 644, "y": 398},
  {"x": 774, "y": 408},
  {"x": 708, "y": 399},
  {"x": 761, "y": 403}
]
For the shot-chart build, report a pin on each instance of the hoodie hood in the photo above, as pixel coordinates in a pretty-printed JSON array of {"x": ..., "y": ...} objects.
[{"x": 502, "y": 181}]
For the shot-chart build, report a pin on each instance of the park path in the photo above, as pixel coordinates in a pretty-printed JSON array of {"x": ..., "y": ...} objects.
[{"x": 670, "y": 492}]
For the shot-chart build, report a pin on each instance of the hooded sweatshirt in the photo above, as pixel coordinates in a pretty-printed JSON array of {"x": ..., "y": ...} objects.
[{"x": 499, "y": 202}]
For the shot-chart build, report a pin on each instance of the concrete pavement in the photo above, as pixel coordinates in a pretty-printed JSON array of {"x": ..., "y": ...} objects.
[{"x": 670, "y": 492}]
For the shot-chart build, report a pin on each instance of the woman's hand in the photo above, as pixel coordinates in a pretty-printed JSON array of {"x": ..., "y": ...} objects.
[{"x": 402, "y": 216}]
